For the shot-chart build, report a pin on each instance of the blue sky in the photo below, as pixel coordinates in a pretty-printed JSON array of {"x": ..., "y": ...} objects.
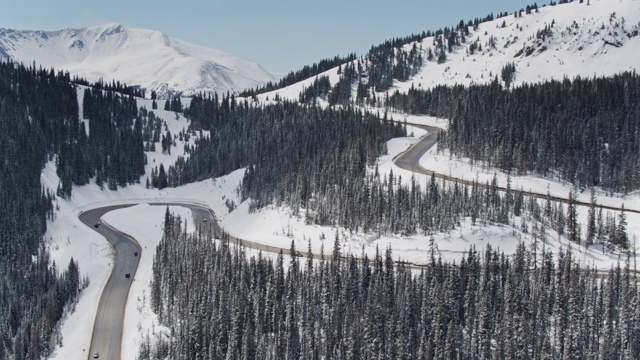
[{"x": 280, "y": 35}]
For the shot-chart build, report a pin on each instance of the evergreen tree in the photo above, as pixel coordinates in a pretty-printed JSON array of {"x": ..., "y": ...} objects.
[
  {"x": 573, "y": 228},
  {"x": 591, "y": 221},
  {"x": 162, "y": 178},
  {"x": 622, "y": 239}
]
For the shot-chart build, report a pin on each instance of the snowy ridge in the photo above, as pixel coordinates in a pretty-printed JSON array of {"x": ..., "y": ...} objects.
[
  {"x": 565, "y": 40},
  {"x": 146, "y": 58},
  {"x": 593, "y": 38}
]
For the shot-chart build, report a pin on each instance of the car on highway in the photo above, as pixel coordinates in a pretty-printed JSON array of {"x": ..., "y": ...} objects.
[
  {"x": 96, "y": 225},
  {"x": 96, "y": 355},
  {"x": 127, "y": 275}
]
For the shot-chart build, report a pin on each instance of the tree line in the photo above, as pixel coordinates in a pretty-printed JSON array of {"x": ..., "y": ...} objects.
[
  {"x": 321, "y": 164},
  {"x": 115, "y": 86},
  {"x": 110, "y": 150},
  {"x": 302, "y": 74}
]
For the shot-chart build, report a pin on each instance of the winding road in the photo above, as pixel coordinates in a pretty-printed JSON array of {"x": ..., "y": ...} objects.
[
  {"x": 107, "y": 328},
  {"x": 410, "y": 160},
  {"x": 107, "y": 331}
]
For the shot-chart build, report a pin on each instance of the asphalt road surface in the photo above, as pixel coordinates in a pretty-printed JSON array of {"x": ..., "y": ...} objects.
[
  {"x": 410, "y": 159},
  {"x": 107, "y": 329}
]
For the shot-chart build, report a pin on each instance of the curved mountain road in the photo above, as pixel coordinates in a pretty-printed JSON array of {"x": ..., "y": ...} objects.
[
  {"x": 107, "y": 328},
  {"x": 106, "y": 339},
  {"x": 410, "y": 160}
]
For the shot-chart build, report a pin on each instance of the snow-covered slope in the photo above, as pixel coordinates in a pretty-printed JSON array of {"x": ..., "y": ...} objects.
[
  {"x": 596, "y": 37},
  {"x": 573, "y": 39},
  {"x": 146, "y": 58}
]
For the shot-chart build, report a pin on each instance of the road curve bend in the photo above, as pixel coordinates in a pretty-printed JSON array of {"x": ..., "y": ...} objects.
[
  {"x": 106, "y": 339},
  {"x": 410, "y": 160}
]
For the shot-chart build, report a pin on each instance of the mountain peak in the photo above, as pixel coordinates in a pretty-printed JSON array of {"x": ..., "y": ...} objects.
[
  {"x": 114, "y": 26},
  {"x": 146, "y": 58},
  {"x": 110, "y": 29}
]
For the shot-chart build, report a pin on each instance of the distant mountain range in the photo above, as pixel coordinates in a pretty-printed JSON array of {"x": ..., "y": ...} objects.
[{"x": 147, "y": 58}]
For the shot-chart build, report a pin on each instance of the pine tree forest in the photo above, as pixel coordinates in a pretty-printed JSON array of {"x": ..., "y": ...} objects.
[
  {"x": 39, "y": 122},
  {"x": 221, "y": 304},
  {"x": 38, "y": 116}
]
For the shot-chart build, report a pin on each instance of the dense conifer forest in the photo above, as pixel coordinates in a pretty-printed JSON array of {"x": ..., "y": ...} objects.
[
  {"x": 321, "y": 164},
  {"x": 219, "y": 303},
  {"x": 114, "y": 148},
  {"x": 39, "y": 122},
  {"x": 38, "y": 115},
  {"x": 284, "y": 147},
  {"x": 585, "y": 130}
]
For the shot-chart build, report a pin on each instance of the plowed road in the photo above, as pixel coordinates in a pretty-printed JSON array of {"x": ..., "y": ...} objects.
[
  {"x": 107, "y": 329},
  {"x": 410, "y": 160}
]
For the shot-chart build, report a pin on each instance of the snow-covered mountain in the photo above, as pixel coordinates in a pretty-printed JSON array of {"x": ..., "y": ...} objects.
[
  {"x": 141, "y": 57},
  {"x": 589, "y": 38},
  {"x": 596, "y": 37}
]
